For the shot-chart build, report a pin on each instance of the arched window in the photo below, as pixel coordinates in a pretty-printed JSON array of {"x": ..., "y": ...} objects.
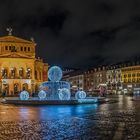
[
  {"x": 21, "y": 73},
  {"x": 13, "y": 72},
  {"x": 16, "y": 88},
  {"x": 28, "y": 73},
  {"x": 25, "y": 87},
  {"x": 4, "y": 72}
]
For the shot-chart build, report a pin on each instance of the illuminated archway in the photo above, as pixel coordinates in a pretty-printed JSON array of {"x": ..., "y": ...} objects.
[
  {"x": 6, "y": 89},
  {"x": 16, "y": 88},
  {"x": 25, "y": 86}
]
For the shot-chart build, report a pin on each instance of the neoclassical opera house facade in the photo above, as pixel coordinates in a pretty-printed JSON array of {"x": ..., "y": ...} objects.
[{"x": 19, "y": 68}]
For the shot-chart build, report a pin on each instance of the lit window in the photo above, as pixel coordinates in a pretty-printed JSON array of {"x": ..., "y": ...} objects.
[
  {"x": 4, "y": 73},
  {"x": 13, "y": 72},
  {"x": 21, "y": 72},
  {"x": 28, "y": 73}
]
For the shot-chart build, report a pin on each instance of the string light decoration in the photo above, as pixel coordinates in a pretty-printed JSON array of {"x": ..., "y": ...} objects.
[
  {"x": 42, "y": 95},
  {"x": 24, "y": 95},
  {"x": 55, "y": 74},
  {"x": 64, "y": 94},
  {"x": 55, "y": 86},
  {"x": 80, "y": 95}
]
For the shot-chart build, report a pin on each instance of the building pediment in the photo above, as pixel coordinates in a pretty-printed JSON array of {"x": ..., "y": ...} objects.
[
  {"x": 14, "y": 39},
  {"x": 15, "y": 55}
]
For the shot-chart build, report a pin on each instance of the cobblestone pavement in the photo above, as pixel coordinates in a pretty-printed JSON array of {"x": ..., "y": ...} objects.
[{"x": 110, "y": 121}]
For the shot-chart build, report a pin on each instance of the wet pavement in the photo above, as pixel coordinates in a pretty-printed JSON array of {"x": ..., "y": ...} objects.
[{"x": 118, "y": 120}]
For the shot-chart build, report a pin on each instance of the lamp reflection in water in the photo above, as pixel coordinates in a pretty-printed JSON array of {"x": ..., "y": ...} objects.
[
  {"x": 50, "y": 112},
  {"x": 26, "y": 113}
]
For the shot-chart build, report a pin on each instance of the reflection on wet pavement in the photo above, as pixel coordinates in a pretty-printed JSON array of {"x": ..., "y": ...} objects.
[{"x": 118, "y": 120}]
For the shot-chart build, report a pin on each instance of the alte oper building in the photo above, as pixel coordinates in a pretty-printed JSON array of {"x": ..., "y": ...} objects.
[{"x": 19, "y": 68}]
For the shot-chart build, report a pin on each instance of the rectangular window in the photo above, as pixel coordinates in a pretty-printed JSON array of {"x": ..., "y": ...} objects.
[
  {"x": 9, "y": 47},
  {"x": 28, "y": 48},
  {"x": 6, "y": 47},
  {"x": 21, "y": 48},
  {"x": 24, "y": 48}
]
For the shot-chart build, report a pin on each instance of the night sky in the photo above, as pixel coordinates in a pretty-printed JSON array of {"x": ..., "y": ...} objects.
[{"x": 76, "y": 33}]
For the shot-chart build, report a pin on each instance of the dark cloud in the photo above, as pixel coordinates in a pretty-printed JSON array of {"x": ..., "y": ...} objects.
[{"x": 77, "y": 33}]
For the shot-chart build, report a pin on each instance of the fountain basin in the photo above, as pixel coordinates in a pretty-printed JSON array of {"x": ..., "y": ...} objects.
[{"x": 36, "y": 101}]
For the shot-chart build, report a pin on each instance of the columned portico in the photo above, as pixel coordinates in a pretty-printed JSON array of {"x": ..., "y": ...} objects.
[{"x": 19, "y": 68}]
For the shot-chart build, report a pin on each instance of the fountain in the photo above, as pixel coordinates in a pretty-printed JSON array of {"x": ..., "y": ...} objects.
[{"x": 54, "y": 91}]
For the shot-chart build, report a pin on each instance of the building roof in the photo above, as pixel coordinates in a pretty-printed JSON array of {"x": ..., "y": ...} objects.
[
  {"x": 13, "y": 39},
  {"x": 73, "y": 73}
]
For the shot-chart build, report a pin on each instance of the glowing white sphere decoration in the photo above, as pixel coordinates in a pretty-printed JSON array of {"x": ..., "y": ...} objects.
[
  {"x": 80, "y": 95},
  {"x": 24, "y": 95},
  {"x": 42, "y": 95},
  {"x": 64, "y": 94},
  {"x": 55, "y": 73}
]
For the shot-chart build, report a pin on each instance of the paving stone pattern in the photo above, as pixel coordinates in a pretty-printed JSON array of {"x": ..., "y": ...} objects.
[
  {"x": 119, "y": 121},
  {"x": 101, "y": 126}
]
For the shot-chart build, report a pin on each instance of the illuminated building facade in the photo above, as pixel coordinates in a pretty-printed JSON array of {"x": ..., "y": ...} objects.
[
  {"x": 76, "y": 80},
  {"x": 114, "y": 81},
  {"x": 19, "y": 68},
  {"x": 99, "y": 76},
  {"x": 89, "y": 80},
  {"x": 94, "y": 78},
  {"x": 131, "y": 79}
]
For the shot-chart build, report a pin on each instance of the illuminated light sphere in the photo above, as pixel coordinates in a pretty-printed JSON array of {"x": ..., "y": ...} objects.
[
  {"x": 42, "y": 95},
  {"x": 80, "y": 95},
  {"x": 95, "y": 100},
  {"x": 24, "y": 95},
  {"x": 55, "y": 74},
  {"x": 64, "y": 94}
]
